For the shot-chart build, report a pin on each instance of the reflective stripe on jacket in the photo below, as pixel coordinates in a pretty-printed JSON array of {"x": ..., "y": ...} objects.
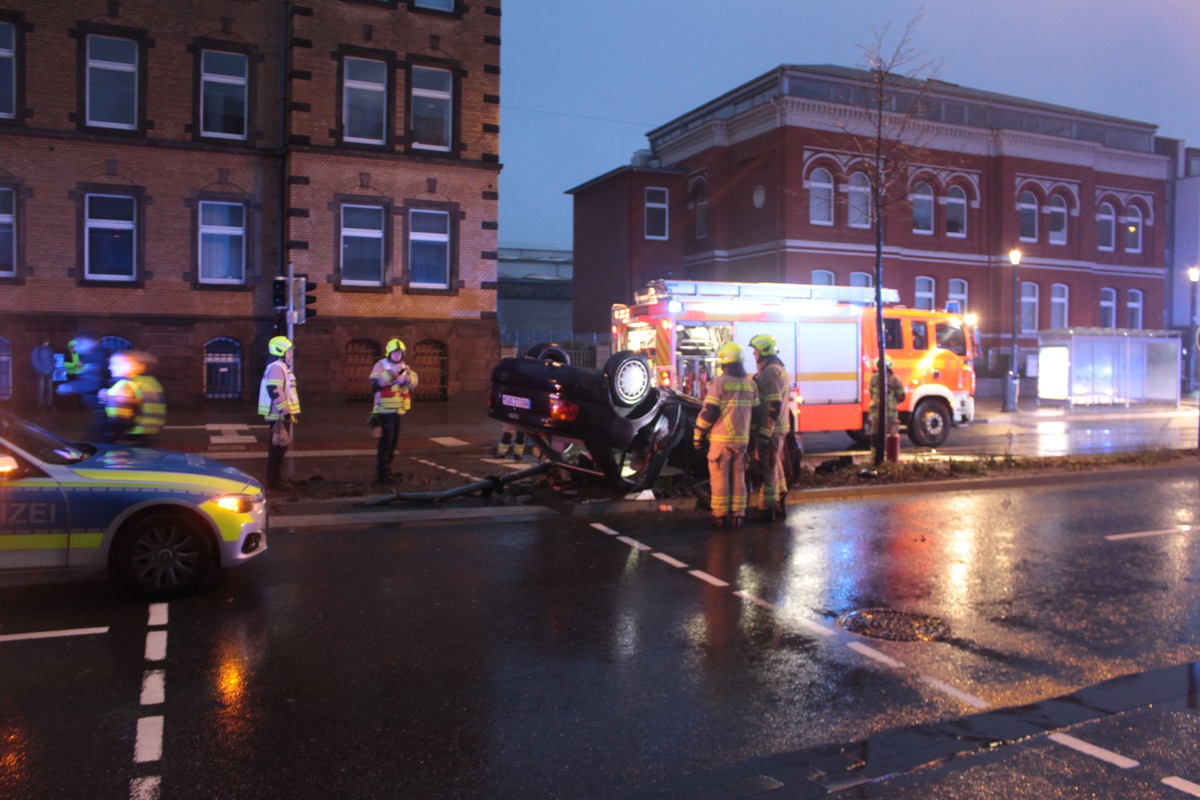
[
  {"x": 279, "y": 375},
  {"x": 733, "y": 399},
  {"x": 772, "y": 388},
  {"x": 393, "y": 386}
]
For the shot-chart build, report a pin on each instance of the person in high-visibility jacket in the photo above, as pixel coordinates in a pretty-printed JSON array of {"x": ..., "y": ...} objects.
[
  {"x": 393, "y": 382},
  {"x": 134, "y": 404},
  {"x": 770, "y": 426},
  {"x": 278, "y": 404},
  {"x": 724, "y": 420}
]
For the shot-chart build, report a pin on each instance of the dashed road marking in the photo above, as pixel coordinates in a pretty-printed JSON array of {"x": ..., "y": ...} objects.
[
  {"x": 1107, "y": 756},
  {"x": 449, "y": 441},
  {"x": 958, "y": 694},
  {"x": 156, "y": 645},
  {"x": 154, "y": 687},
  {"x": 149, "y": 743},
  {"x": 871, "y": 652},
  {"x": 634, "y": 543},
  {"x": 18, "y": 637},
  {"x": 1116, "y": 537},
  {"x": 605, "y": 529},
  {"x": 145, "y": 788},
  {"x": 747, "y": 596},
  {"x": 1183, "y": 785},
  {"x": 704, "y": 576},
  {"x": 674, "y": 562}
]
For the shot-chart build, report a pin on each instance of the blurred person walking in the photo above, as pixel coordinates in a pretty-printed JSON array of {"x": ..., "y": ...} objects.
[{"x": 41, "y": 360}]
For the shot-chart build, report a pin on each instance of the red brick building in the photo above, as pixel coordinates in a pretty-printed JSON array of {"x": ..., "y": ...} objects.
[
  {"x": 161, "y": 163},
  {"x": 766, "y": 183}
]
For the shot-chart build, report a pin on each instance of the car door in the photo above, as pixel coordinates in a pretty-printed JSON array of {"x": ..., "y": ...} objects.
[{"x": 34, "y": 516}]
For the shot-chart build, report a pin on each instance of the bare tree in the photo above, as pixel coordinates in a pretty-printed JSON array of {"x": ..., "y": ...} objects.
[{"x": 888, "y": 137}]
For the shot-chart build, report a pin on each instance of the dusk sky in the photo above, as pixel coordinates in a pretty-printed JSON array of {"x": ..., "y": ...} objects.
[{"x": 582, "y": 82}]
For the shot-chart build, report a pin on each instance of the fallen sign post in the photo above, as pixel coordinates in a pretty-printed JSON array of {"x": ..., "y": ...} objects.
[{"x": 485, "y": 487}]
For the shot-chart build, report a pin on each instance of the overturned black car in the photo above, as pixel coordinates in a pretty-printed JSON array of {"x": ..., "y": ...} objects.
[{"x": 613, "y": 421}]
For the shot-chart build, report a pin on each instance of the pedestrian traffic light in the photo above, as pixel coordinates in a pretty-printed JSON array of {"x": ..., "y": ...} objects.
[
  {"x": 280, "y": 294},
  {"x": 302, "y": 301}
]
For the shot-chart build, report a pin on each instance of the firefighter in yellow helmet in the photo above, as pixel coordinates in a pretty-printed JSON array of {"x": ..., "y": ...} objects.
[
  {"x": 895, "y": 396},
  {"x": 770, "y": 426},
  {"x": 725, "y": 421},
  {"x": 134, "y": 405},
  {"x": 393, "y": 382},
  {"x": 279, "y": 404}
]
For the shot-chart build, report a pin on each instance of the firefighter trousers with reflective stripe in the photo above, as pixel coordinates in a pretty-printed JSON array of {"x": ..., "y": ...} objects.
[
  {"x": 774, "y": 481},
  {"x": 727, "y": 476}
]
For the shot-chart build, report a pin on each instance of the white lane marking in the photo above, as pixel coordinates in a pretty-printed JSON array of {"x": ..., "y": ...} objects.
[
  {"x": 704, "y": 576},
  {"x": 158, "y": 614},
  {"x": 674, "y": 562},
  {"x": 154, "y": 687},
  {"x": 1108, "y": 756},
  {"x": 156, "y": 645},
  {"x": 149, "y": 740},
  {"x": 634, "y": 543},
  {"x": 747, "y": 596},
  {"x": 449, "y": 441},
  {"x": 605, "y": 529},
  {"x": 17, "y": 637},
  {"x": 1183, "y": 785},
  {"x": 958, "y": 694},
  {"x": 814, "y": 627},
  {"x": 1116, "y": 537},
  {"x": 871, "y": 652},
  {"x": 145, "y": 788}
]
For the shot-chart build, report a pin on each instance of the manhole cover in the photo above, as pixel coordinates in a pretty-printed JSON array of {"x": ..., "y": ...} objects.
[{"x": 898, "y": 626}]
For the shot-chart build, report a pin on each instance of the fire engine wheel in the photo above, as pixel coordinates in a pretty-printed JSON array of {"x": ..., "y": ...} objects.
[
  {"x": 630, "y": 378},
  {"x": 930, "y": 423}
]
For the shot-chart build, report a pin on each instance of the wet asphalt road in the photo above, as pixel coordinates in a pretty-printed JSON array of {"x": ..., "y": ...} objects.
[{"x": 598, "y": 657}]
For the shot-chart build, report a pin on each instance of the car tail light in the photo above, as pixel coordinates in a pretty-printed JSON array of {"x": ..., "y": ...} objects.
[{"x": 563, "y": 410}]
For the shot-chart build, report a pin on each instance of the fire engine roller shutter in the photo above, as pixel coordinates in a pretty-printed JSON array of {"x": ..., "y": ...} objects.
[{"x": 829, "y": 355}]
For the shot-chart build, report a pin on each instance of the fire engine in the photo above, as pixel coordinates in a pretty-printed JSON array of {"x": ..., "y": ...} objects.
[{"x": 827, "y": 341}]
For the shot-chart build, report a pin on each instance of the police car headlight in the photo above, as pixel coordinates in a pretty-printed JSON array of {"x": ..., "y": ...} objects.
[{"x": 235, "y": 503}]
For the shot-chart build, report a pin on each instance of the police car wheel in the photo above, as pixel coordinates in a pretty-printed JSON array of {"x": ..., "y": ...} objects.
[{"x": 165, "y": 554}]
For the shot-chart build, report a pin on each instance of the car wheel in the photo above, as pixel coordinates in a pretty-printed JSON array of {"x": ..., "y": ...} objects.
[
  {"x": 930, "y": 423},
  {"x": 549, "y": 352},
  {"x": 630, "y": 378},
  {"x": 164, "y": 554}
]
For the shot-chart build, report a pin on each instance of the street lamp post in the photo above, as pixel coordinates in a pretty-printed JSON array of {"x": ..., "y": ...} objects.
[
  {"x": 1193, "y": 274},
  {"x": 1011, "y": 386}
]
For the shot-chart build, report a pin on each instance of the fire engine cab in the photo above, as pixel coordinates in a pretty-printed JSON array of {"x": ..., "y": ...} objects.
[{"x": 827, "y": 341}]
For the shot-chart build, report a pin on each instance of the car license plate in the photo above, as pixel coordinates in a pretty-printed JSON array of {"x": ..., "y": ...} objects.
[{"x": 515, "y": 402}]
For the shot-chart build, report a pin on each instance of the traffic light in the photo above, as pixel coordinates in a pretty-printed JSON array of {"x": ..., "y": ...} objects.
[
  {"x": 280, "y": 294},
  {"x": 302, "y": 301}
]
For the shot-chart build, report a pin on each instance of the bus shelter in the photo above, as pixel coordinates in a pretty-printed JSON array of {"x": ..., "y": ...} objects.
[{"x": 1108, "y": 366}]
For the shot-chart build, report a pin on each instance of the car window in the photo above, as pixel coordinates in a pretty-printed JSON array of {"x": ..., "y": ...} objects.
[{"x": 41, "y": 444}]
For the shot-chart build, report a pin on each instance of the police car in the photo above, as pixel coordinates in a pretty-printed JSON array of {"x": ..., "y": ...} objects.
[{"x": 161, "y": 519}]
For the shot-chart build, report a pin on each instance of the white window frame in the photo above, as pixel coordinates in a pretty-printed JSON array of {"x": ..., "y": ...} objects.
[
  {"x": 111, "y": 225},
  {"x": 447, "y": 95},
  {"x": 654, "y": 208},
  {"x": 1030, "y": 306},
  {"x": 8, "y": 219},
  {"x": 446, "y": 6},
  {"x": 862, "y": 279},
  {"x": 1132, "y": 229},
  {"x": 422, "y": 236},
  {"x": 820, "y": 196},
  {"x": 1108, "y": 307},
  {"x": 701, "y": 211},
  {"x": 1057, "y": 229},
  {"x": 957, "y": 294},
  {"x": 362, "y": 234},
  {"x": 1060, "y": 306},
  {"x": 822, "y": 277},
  {"x": 204, "y": 230},
  {"x": 9, "y": 54},
  {"x": 924, "y": 293},
  {"x": 1106, "y": 221},
  {"x": 1027, "y": 206},
  {"x": 858, "y": 196},
  {"x": 1134, "y": 309},
  {"x": 922, "y": 194},
  {"x": 94, "y": 65},
  {"x": 242, "y": 81},
  {"x": 956, "y": 205},
  {"x": 358, "y": 87}
]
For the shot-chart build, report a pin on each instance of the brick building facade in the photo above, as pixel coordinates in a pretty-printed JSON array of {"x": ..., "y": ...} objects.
[
  {"x": 161, "y": 163},
  {"x": 767, "y": 183}
]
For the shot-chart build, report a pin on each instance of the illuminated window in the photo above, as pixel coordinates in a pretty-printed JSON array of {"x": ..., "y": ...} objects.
[{"x": 1133, "y": 230}]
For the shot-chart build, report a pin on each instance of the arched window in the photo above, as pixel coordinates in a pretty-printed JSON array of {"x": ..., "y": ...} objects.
[
  {"x": 1027, "y": 210},
  {"x": 1029, "y": 307},
  {"x": 1059, "y": 302},
  {"x": 1133, "y": 308},
  {"x": 862, "y": 279},
  {"x": 922, "y": 207},
  {"x": 1106, "y": 228},
  {"x": 431, "y": 361},
  {"x": 1058, "y": 221},
  {"x": 1133, "y": 229},
  {"x": 956, "y": 212},
  {"x": 700, "y": 204},
  {"x": 114, "y": 344},
  {"x": 820, "y": 197},
  {"x": 822, "y": 277},
  {"x": 1108, "y": 308},
  {"x": 223, "y": 369},
  {"x": 6, "y": 369},
  {"x": 924, "y": 293},
  {"x": 956, "y": 296},
  {"x": 360, "y": 357},
  {"x": 859, "y": 190}
]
